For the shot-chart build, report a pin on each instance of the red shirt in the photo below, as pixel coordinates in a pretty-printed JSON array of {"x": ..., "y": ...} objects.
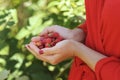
[{"x": 102, "y": 28}]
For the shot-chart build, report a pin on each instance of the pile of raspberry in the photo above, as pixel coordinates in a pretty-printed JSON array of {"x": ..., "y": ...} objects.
[{"x": 48, "y": 40}]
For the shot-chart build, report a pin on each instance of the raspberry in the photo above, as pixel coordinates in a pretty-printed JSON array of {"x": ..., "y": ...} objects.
[
  {"x": 48, "y": 40},
  {"x": 46, "y": 36},
  {"x": 55, "y": 34},
  {"x": 41, "y": 52},
  {"x": 53, "y": 43},
  {"x": 58, "y": 39},
  {"x": 41, "y": 46},
  {"x": 47, "y": 45},
  {"x": 41, "y": 38}
]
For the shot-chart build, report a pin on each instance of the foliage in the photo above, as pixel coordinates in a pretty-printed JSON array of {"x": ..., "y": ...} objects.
[{"x": 22, "y": 19}]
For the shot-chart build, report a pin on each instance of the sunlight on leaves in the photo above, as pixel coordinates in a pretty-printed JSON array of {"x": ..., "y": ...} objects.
[{"x": 4, "y": 74}]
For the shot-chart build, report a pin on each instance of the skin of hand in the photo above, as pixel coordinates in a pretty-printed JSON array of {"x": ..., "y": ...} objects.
[
  {"x": 74, "y": 34},
  {"x": 54, "y": 55},
  {"x": 63, "y": 32},
  {"x": 66, "y": 49}
]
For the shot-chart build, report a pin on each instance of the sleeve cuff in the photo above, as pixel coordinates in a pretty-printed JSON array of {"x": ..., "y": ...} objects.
[
  {"x": 104, "y": 63},
  {"x": 83, "y": 27}
]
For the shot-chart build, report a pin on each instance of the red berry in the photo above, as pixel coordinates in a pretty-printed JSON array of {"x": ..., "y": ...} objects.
[
  {"x": 55, "y": 34},
  {"x": 43, "y": 41},
  {"x": 57, "y": 40},
  {"x": 40, "y": 51},
  {"x": 41, "y": 46},
  {"x": 41, "y": 38},
  {"x": 46, "y": 36},
  {"x": 60, "y": 38},
  {"x": 48, "y": 40},
  {"x": 53, "y": 44},
  {"x": 47, "y": 45}
]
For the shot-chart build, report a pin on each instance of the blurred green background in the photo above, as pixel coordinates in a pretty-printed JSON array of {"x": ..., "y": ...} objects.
[{"x": 22, "y": 19}]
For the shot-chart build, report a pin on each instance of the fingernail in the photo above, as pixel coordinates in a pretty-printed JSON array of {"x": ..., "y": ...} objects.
[{"x": 40, "y": 51}]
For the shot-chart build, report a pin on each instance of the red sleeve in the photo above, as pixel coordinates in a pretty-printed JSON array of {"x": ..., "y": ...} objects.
[
  {"x": 108, "y": 69},
  {"x": 83, "y": 27}
]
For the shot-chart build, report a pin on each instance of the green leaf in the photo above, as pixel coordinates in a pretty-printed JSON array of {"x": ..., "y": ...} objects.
[
  {"x": 34, "y": 23},
  {"x": 4, "y": 74},
  {"x": 53, "y": 4},
  {"x": 23, "y": 78},
  {"x": 2, "y": 21},
  {"x": 15, "y": 32},
  {"x": 4, "y": 15},
  {"x": 41, "y": 76},
  {"x": 10, "y": 23}
]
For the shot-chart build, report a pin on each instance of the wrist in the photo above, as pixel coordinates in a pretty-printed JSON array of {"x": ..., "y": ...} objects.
[
  {"x": 77, "y": 35},
  {"x": 77, "y": 48}
]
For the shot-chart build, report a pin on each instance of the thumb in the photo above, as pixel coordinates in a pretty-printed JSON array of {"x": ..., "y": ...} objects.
[
  {"x": 48, "y": 51},
  {"x": 47, "y": 30}
]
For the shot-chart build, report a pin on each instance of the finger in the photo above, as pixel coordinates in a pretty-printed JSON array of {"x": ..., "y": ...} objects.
[
  {"x": 49, "y": 51},
  {"x": 47, "y": 30},
  {"x": 34, "y": 39},
  {"x": 34, "y": 48},
  {"x": 30, "y": 50},
  {"x": 49, "y": 54},
  {"x": 35, "y": 54},
  {"x": 52, "y": 59}
]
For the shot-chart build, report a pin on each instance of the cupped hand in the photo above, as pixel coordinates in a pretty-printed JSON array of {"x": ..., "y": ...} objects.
[
  {"x": 74, "y": 34},
  {"x": 61, "y": 51}
]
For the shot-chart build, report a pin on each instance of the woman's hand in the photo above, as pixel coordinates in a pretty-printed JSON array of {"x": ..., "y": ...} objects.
[
  {"x": 66, "y": 49},
  {"x": 75, "y": 34},
  {"x": 61, "y": 51}
]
